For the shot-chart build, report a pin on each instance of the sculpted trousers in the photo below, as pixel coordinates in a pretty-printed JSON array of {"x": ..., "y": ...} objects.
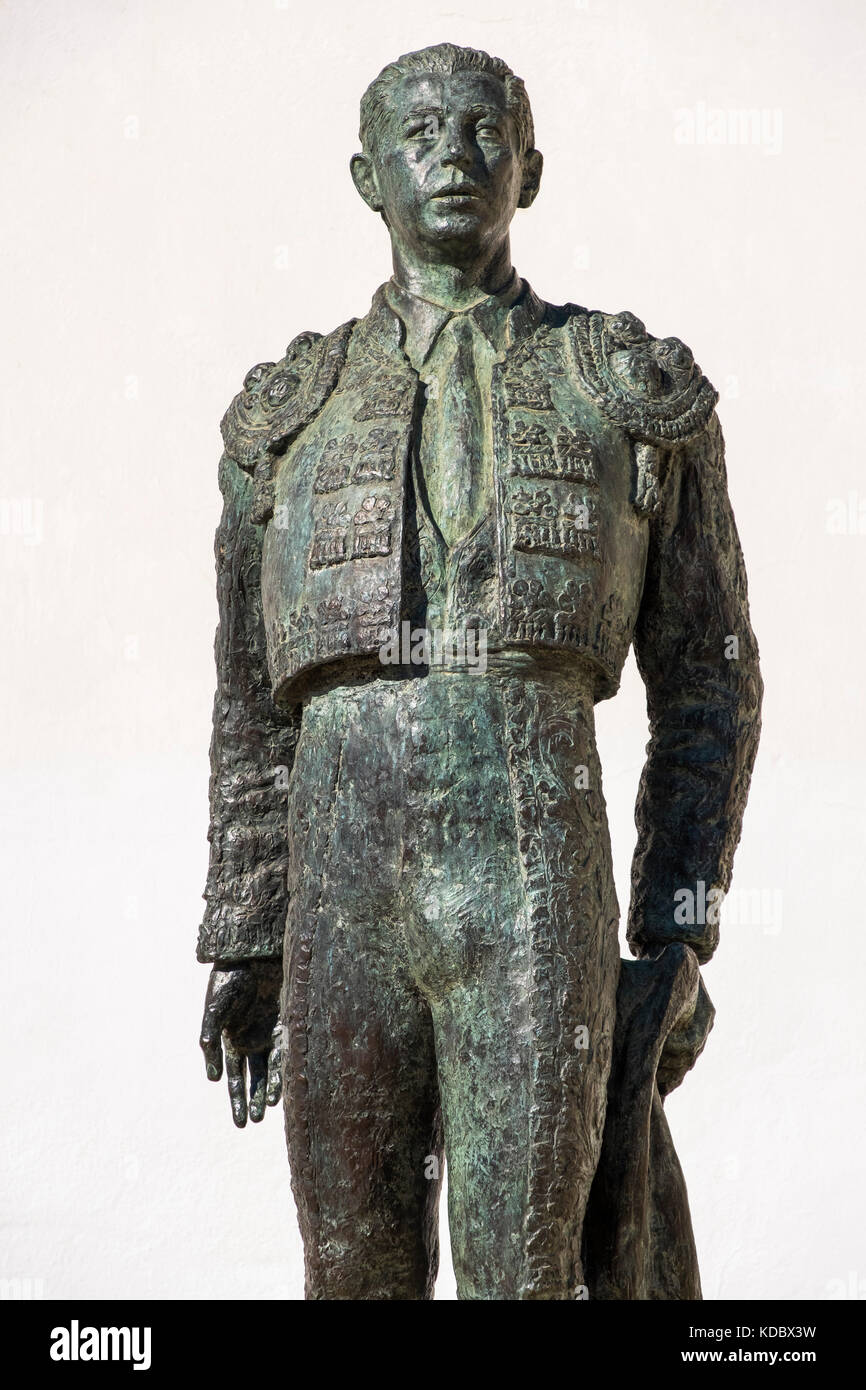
[{"x": 450, "y": 974}]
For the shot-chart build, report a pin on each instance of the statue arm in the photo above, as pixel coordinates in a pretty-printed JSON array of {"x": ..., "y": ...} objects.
[
  {"x": 253, "y": 743},
  {"x": 246, "y": 892},
  {"x": 698, "y": 657}
]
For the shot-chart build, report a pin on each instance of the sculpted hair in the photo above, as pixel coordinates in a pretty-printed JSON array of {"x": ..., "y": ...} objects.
[{"x": 443, "y": 58}]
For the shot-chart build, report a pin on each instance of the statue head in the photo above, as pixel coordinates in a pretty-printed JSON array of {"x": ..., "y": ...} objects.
[{"x": 447, "y": 151}]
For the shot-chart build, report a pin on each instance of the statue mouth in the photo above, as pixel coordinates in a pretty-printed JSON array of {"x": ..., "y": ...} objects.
[{"x": 457, "y": 190}]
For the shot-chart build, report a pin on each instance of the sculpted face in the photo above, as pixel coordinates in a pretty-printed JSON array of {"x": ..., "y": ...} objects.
[{"x": 447, "y": 173}]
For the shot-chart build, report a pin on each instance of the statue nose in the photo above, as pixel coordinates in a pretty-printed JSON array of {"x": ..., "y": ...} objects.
[{"x": 456, "y": 151}]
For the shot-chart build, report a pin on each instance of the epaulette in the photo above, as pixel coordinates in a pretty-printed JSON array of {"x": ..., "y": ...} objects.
[
  {"x": 278, "y": 400},
  {"x": 651, "y": 387}
]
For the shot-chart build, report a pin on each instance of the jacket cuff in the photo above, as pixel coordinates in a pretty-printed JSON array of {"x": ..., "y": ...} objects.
[{"x": 230, "y": 932}]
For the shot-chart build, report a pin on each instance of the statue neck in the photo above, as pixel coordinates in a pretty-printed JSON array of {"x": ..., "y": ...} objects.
[{"x": 455, "y": 287}]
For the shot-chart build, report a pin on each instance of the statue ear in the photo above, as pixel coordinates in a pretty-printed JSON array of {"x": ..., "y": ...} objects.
[
  {"x": 533, "y": 162},
  {"x": 364, "y": 178}
]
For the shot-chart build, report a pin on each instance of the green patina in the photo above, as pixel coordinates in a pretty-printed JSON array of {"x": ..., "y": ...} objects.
[{"x": 445, "y": 526}]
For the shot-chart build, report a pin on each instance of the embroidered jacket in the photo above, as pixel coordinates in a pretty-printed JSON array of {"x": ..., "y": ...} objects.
[{"x": 611, "y": 525}]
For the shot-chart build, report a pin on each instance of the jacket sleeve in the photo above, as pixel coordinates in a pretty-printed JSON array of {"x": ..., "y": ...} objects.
[
  {"x": 698, "y": 658},
  {"x": 251, "y": 751}
]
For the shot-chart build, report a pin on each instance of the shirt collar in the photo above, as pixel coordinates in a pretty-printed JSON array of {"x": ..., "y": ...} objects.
[{"x": 424, "y": 320}]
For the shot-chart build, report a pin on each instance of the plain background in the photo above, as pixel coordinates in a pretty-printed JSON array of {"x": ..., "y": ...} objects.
[{"x": 177, "y": 206}]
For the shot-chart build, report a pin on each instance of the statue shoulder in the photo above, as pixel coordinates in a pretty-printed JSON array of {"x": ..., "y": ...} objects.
[
  {"x": 651, "y": 387},
  {"x": 276, "y": 395},
  {"x": 277, "y": 401}
]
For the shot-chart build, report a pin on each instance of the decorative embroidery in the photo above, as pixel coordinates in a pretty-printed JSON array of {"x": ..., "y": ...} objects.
[
  {"x": 530, "y": 608},
  {"x": 336, "y": 461},
  {"x": 547, "y": 474},
  {"x": 341, "y": 624},
  {"x": 277, "y": 391},
  {"x": 378, "y": 456},
  {"x": 540, "y": 524},
  {"x": 329, "y": 539},
  {"x": 576, "y": 456},
  {"x": 535, "y": 455},
  {"x": 573, "y": 617},
  {"x": 528, "y": 390},
  {"x": 571, "y": 921},
  {"x": 611, "y": 631},
  {"x": 646, "y": 497},
  {"x": 299, "y": 624},
  {"x": 374, "y": 616},
  {"x": 390, "y": 396},
  {"x": 570, "y": 621},
  {"x": 277, "y": 402},
  {"x": 256, "y": 375},
  {"x": 532, "y": 452},
  {"x": 372, "y": 535},
  {"x": 333, "y": 613},
  {"x": 650, "y": 387},
  {"x": 373, "y": 528}
]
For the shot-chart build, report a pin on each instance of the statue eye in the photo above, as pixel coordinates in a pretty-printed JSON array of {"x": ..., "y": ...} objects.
[{"x": 426, "y": 128}]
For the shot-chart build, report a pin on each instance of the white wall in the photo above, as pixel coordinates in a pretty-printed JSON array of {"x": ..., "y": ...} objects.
[{"x": 177, "y": 207}]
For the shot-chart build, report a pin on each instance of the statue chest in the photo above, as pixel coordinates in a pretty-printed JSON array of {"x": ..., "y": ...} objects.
[{"x": 567, "y": 544}]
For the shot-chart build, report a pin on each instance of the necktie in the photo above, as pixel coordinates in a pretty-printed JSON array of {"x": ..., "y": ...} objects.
[{"x": 452, "y": 442}]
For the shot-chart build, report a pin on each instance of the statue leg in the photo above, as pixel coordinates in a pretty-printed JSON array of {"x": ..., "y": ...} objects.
[
  {"x": 512, "y": 936},
  {"x": 523, "y": 1092},
  {"x": 361, "y": 1096}
]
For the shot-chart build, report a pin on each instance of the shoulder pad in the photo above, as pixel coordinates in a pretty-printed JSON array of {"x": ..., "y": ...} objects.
[
  {"x": 278, "y": 400},
  {"x": 651, "y": 387}
]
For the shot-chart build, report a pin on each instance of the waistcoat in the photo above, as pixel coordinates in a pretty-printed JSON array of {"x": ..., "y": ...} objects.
[{"x": 586, "y": 407}]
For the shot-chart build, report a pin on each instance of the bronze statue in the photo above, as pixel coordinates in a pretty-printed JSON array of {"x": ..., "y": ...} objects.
[{"x": 445, "y": 524}]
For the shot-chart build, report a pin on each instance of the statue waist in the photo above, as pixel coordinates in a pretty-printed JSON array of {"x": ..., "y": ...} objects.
[{"x": 563, "y": 675}]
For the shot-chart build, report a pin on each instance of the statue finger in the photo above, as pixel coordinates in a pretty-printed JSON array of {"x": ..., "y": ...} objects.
[
  {"x": 237, "y": 1079},
  {"x": 210, "y": 1042},
  {"x": 258, "y": 1067}
]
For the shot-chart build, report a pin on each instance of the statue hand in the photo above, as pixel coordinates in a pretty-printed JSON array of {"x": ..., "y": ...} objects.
[
  {"x": 685, "y": 1043},
  {"x": 241, "y": 1013}
]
